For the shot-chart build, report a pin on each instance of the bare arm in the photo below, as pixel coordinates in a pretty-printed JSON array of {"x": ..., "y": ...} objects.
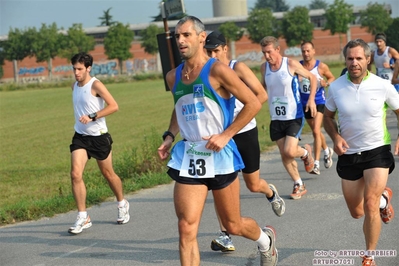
[
  {"x": 225, "y": 81},
  {"x": 395, "y": 79},
  {"x": 163, "y": 150},
  {"x": 396, "y": 151},
  {"x": 326, "y": 73},
  {"x": 262, "y": 73},
  {"x": 249, "y": 78},
  {"x": 331, "y": 127},
  {"x": 369, "y": 66},
  {"x": 300, "y": 70}
]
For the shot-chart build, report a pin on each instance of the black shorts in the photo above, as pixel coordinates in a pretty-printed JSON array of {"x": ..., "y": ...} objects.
[
  {"x": 282, "y": 128},
  {"x": 351, "y": 166},
  {"x": 98, "y": 147},
  {"x": 248, "y": 146},
  {"x": 219, "y": 182},
  {"x": 319, "y": 108}
]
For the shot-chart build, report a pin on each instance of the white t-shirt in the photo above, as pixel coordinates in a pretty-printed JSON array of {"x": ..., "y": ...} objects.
[{"x": 362, "y": 111}]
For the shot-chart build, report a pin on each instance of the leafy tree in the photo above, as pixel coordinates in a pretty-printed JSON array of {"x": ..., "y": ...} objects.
[
  {"x": 18, "y": 46},
  {"x": 318, "y": 4},
  {"x": 47, "y": 45},
  {"x": 375, "y": 18},
  {"x": 232, "y": 33},
  {"x": 149, "y": 39},
  {"x": 106, "y": 19},
  {"x": 261, "y": 23},
  {"x": 75, "y": 41},
  {"x": 296, "y": 26},
  {"x": 339, "y": 15},
  {"x": 117, "y": 43},
  {"x": 392, "y": 34},
  {"x": 274, "y": 5}
]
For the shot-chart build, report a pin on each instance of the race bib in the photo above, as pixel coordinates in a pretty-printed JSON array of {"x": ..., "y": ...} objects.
[
  {"x": 198, "y": 161},
  {"x": 279, "y": 110},
  {"x": 305, "y": 86},
  {"x": 385, "y": 73}
]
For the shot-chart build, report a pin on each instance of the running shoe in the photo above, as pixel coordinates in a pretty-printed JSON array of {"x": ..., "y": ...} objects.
[
  {"x": 308, "y": 160},
  {"x": 387, "y": 213},
  {"x": 315, "y": 170},
  {"x": 278, "y": 204},
  {"x": 80, "y": 224},
  {"x": 368, "y": 261},
  {"x": 270, "y": 257},
  {"x": 298, "y": 191},
  {"x": 328, "y": 161},
  {"x": 123, "y": 213},
  {"x": 222, "y": 243}
]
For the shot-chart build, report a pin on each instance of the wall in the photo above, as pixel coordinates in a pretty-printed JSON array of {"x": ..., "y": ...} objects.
[{"x": 327, "y": 49}]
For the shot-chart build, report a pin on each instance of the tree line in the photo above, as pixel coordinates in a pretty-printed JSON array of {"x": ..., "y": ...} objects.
[{"x": 295, "y": 27}]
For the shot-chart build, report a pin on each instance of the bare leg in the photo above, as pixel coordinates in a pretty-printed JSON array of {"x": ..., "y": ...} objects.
[{"x": 78, "y": 162}]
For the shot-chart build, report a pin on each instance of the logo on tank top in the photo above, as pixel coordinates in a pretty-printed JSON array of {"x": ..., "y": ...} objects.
[
  {"x": 198, "y": 90},
  {"x": 190, "y": 111},
  {"x": 283, "y": 75}
]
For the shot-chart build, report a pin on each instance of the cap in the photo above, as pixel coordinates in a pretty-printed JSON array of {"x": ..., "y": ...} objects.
[{"x": 214, "y": 39}]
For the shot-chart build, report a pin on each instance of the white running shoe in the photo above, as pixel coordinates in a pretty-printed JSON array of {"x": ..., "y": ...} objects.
[
  {"x": 80, "y": 224},
  {"x": 328, "y": 161},
  {"x": 123, "y": 213},
  {"x": 222, "y": 243}
]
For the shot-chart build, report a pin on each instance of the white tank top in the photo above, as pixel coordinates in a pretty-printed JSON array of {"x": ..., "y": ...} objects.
[
  {"x": 238, "y": 107},
  {"x": 84, "y": 103},
  {"x": 379, "y": 60}
]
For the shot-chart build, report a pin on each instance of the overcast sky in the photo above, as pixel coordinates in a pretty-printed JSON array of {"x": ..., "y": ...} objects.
[{"x": 22, "y": 14}]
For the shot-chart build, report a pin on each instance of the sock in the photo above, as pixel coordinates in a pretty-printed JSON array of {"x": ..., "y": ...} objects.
[
  {"x": 305, "y": 154},
  {"x": 327, "y": 151},
  {"x": 272, "y": 197},
  {"x": 226, "y": 233},
  {"x": 316, "y": 163},
  {"x": 299, "y": 182},
  {"x": 383, "y": 202},
  {"x": 82, "y": 214},
  {"x": 121, "y": 203},
  {"x": 263, "y": 241}
]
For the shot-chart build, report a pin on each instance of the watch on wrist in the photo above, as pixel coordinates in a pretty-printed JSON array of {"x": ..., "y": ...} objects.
[
  {"x": 93, "y": 116},
  {"x": 168, "y": 133}
]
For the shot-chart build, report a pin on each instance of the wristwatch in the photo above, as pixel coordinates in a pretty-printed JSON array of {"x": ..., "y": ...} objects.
[
  {"x": 168, "y": 133},
  {"x": 93, "y": 116}
]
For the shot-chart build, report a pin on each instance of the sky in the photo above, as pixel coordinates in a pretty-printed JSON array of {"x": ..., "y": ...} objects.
[{"x": 23, "y": 14}]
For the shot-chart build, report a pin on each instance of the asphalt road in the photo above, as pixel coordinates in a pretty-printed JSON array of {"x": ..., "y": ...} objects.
[{"x": 313, "y": 230}]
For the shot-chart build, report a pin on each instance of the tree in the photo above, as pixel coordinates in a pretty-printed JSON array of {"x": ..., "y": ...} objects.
[
  {"x": 318, "y": 4},
  {"x": 232, "y": 33},
  {"x": 261, "y": 23},
  {"x": 339, "y": 15},
  {"x": 149, "y": 39},
  {"x": 75, "y": 41},
  {"x": 106, "y": 19},
  {"x": 375, "y": 18},
  {"x": 117, "y": 43},
  {"x": 274, "y": 5},
  {"x": 296, "y": 26},
  {"x": 47, "y": 45},
  {"x": 18, "y": 46},
  {"x": 392, "y": 34}
]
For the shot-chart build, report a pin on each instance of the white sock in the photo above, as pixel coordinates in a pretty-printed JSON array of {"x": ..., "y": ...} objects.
[
  {"x": 299, "y": 182},
  {"x": 316, "y": 163},
  {"x": 306, "y": 153},
  {"x": 82, "y": 214},
  {"x": 121, "y": 203},
  {"x": 263, "y": 241},
  {"x": 327, "y": 151},
  {"x": 383, "y": 202}
]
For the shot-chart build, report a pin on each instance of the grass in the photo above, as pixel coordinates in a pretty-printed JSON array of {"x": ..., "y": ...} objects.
[{"x": 36, "y": 130}]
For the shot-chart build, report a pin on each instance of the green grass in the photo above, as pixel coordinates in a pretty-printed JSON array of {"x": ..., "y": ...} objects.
[{"x": 36, "y": 130}]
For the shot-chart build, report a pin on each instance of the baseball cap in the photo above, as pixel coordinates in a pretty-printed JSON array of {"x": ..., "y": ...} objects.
[{"x": 214, "y": 39}]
